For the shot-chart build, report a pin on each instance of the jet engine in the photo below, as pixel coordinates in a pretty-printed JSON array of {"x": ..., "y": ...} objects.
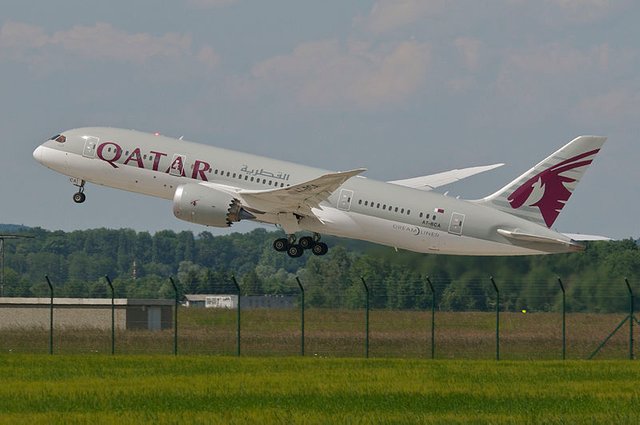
[{"x": 204, "y": 205}]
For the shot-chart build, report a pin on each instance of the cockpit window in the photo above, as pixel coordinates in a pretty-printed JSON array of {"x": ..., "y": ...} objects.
[{"x": 59, "y": 138}]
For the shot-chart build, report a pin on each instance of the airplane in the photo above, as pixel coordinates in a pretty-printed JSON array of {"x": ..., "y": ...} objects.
[{"x": 218, "y": 187}]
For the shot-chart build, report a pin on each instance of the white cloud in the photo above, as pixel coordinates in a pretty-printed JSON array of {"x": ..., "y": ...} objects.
[
  {"x": 556, "y": 64},
  {"x": 208, "y": 57},
  {"x": 618, "y": 105},
  {"x": 328, "y": 73},
  {"x": 551, "y": 59},
  {"x": 18, "y": 35},
  {"x": 550, "y": 81},
  {"x": 470, "y": 51},
  {"x": 388, "y": 15},
  {"x": 460, "y": 85},
  {"x": 391, "y": 15},
  {"x": 101, "y": 41}
]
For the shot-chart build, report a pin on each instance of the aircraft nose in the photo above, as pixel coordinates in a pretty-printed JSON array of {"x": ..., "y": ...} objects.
[{"x": 37, "y": 154}]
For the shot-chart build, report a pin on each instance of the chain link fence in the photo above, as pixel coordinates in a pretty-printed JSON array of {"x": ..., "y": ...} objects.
[{"x": 427, "y": 318}]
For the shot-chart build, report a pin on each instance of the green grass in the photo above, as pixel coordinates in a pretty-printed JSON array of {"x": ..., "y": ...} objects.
[{"x": 39, "y": 389}]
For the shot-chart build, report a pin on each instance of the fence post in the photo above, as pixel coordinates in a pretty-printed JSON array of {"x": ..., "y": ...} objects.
[
  {"x": 564, "y": 323},
  {"x": 497, "y": 318},
  {"x": 631, "y": 318},
  {"x": 1, "y": 267},
  {"x": 233, "y": 278},
  {"x": 433, "y": 319},
  {"x": 175, "y": 317},
  {"x": 113, "y": 317},
  {"x": 301, "y": 317},
  {"x": 50, "y": 315},
  {"x": 366, "y": 339}
]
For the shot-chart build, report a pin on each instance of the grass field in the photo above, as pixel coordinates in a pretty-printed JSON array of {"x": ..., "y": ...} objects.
[
  {"x": 341, "y": 333},
  {"x": 40, "y": 389}
]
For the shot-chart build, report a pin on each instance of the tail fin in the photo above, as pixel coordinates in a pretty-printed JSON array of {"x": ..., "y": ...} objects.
[{"x": 540, "y": 194}]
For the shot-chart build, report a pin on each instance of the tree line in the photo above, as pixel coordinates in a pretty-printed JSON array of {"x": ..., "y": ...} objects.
[{"x": 140, "y": 264}]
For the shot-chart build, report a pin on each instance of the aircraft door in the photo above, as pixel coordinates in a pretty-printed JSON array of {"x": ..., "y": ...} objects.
[
  {"x": 344, "y": 201},
  {"x": 456, "y": 223},
  {"x": 90, "y": 144}
]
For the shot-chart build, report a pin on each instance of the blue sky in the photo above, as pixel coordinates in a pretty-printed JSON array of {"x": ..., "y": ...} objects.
[{"x": 403, "y": 88}]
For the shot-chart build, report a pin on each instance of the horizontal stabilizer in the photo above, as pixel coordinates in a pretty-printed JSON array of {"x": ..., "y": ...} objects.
[
  {"x": 528, "y": 237},
  {"x": 579, "y": 237},
  {"x": 440, "y": 179}
]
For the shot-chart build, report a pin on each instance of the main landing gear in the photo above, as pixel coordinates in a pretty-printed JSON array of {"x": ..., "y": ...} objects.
[
  {"x": 295, "y": 248},
  {"x": 79, "y": 197}
]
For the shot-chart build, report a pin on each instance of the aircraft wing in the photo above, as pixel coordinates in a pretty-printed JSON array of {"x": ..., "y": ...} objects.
[
  {"x": 440, "y": 179},
  {"x": 298, "y": 198}
]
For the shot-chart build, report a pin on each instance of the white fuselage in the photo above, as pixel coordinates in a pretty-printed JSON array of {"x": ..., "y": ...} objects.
[{"x": 365, "y": 209}]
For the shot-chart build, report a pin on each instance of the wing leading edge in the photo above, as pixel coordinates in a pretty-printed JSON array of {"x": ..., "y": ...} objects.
[{"x": 298, "y": 198}]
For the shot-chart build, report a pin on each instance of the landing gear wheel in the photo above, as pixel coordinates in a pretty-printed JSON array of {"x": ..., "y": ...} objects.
[
  {"x": 79, "y": 197},
  {"x": 320, "y": 248},
  {"x": 295, "y": 251},
  {"x": 281, "y": 244},
  {"x": 306, "y": 242}
]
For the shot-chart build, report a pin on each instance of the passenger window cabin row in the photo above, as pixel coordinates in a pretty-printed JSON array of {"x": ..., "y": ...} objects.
[
  {"x": 221, "y": 173},
  {"x": 240, "y": 176},
  {"x": 400, "y": 210},
  {"x": 377, "y": 205}
]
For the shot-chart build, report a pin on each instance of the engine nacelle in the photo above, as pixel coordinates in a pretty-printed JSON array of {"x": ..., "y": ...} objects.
[{"x": 204, "y": 205}]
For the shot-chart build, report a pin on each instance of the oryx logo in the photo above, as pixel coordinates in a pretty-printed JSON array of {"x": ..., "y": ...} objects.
[{"x": 548, "y": 189}]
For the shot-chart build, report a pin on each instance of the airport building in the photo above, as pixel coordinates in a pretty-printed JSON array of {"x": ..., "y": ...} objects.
[
  {"x": 86, "y": 313},
  {"x": 229, "y": 301}
]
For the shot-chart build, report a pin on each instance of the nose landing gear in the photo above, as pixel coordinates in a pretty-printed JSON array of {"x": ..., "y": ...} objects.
[
  {"x": 78, "y": 197},
  {"x": 295, "y": 248}
]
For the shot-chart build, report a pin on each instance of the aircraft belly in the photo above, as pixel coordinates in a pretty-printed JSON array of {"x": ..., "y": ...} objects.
[
  {"x": 405, "y": 236},
  {"x": 374, "y": 229}
]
